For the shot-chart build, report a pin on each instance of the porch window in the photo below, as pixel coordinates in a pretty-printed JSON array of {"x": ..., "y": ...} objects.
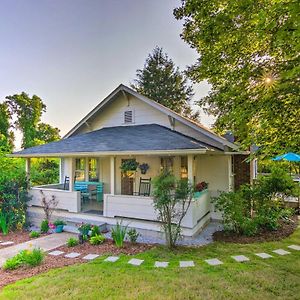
[
  {"x": 93, "y": 169},
  {"x": 80, "y": 169},
  {"x": 166, "y": 163},
  {"x": 183, "y": 167}
]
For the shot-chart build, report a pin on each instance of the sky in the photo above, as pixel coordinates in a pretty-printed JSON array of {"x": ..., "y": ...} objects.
[{"x": 73, "y": 53}]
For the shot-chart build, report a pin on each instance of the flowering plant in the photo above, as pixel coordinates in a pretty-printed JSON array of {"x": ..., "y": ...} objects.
[{"x": 201, "y": 186}]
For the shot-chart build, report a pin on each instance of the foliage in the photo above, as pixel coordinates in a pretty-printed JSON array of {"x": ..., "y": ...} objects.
[
  {"x": 163, "y": 82},
  {"x": 97, "y": 239},
  {"x": 84, "y": 228},
  {"x": 34, "y": 234},
  {"x": 44, "y": 226},
  {"x": 6, "y": 135},
  {"x": 133, "y": 235},
  {"x": 48, "y": 205},
  {"x": 59, "y": 222},
  {"x": 129, "y": 165},
  {"x": 172, "y": 199},
  {"x": 30, "y": 258},
  {"x": 201, "y": 186},
  {"x": 95, "y": 230},
  {"x": 249, "y": 54},
  {"x": 72, "y": 242},
  {"x": 118, "y": 233},
  {"x": 256, "y": 207},
  {"x": 44, "y": 171},
  {"x": 5, "y": 222},
  {"x": 144, "y": 167}
]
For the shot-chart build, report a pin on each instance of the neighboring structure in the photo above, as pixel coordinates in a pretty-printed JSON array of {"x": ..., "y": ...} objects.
[{"x": 128, "y": 126}]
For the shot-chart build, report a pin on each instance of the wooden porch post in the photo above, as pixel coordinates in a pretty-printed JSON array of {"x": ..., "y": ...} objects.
[
  {"x": 191, "y": 169},
  {"x": 112, "y": 175},
  {"x": 72, "y": 174},
  {"x": 27, "y": 170},
  {"x": 230, "y": 174}
]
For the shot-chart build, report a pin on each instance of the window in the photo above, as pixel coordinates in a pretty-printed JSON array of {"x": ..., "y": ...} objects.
[
  {"x": 183, "y": 167},
  {"x": 128, "y": 116},
  {"x": 93, "y": 169},
  {"x": 166, "y": 163},
  {"x": 80, "y": 169}
]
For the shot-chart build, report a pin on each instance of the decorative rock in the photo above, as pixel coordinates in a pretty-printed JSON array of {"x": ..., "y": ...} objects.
[
  {"x": 186, "y": 264},
  {"x": 294, "y": 247},
  {"x": 90, "y": 256},
  {"x": 281, "y": 252},
  {"x": 112, "y": 258},
  {"x": 6, "y": 243},
  {"x": 161, "y": 264},
  {"x": 72, "y": 255},
  {"x": 136, "y": 262},
  {"x": 263, "y": 255},
  {"x": 213, "y": 261},
  {"x": 56, "y": 253},
  {"x": 240, "y": 258}
]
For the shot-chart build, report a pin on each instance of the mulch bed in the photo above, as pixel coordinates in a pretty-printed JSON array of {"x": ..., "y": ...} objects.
[
  {"x": 51, "y": 262},
  {"x": 17, "y": 237},
  {"x": 285, "y": 230}
]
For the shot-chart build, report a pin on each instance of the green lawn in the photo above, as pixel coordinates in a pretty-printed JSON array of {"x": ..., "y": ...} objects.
[{"x": 274, "y": 278}]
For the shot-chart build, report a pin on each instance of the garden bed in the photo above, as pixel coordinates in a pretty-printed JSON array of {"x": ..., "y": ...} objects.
[
  {"x": 285, "y": 230},
  {"x": 51, "y": 262}
]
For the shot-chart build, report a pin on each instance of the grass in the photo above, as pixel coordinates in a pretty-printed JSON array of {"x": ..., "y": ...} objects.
[{"x": 274, "y": 278}]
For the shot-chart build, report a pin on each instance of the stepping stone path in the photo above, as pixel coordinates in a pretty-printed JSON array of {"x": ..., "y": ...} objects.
[
  {"x": 186, "y": 264},
  {"x": 136, "y": 262},
  {"x": 263, "y": 255},
  {"x": 6, "y": 243},
  {"x": 72, "y": 255},
  {"x": 112, "y": 258},
  {"x": 56, "y": 253},
  {"x": 294, "y": 247},
  {"x": 161, "y": 264},
  {"x": 213, "y": 261},
  {"x": 240, "y": 258},
  {"x": 90, "y": 256},
  {"x": 281, "y": 252}
]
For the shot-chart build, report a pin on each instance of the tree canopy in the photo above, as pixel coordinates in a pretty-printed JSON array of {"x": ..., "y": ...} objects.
[
  {"x": 6, "y": 135},
  {"x": 249, "y": 53},
  {"x": 162, "y": 81}
]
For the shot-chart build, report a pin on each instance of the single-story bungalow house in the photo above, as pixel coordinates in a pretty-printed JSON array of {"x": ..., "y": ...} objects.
[{"x": 126, "y": 129}]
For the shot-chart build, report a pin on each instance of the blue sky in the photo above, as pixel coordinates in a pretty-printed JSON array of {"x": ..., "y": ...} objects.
[{"x": 73, "y": 53}]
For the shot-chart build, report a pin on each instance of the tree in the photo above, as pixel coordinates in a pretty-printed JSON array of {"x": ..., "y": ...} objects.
[
  {"x": 249, "y": 53},
  {"x": 28, "y": 112},
  {"x": 162, "y": 81},
  {"x": 172, "y": 199},
  {"x": 6, "y": 136}
]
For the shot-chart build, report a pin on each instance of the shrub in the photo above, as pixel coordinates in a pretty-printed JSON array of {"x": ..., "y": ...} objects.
[
  {"x": 5, "y": 222},
  {"x": 95, "y": 230},
  {"x": 84, "y": 229},
  {"x": 72, "y": 242},
  {"x": 30, "y": 258},
  {"x": 34, "y": 234},
  {"x": 59, "y": 222},
  {"x": 97, "y": 239},
  {"x": 133, "y": 235},
  {"x": 44, "y": 226},
  {"x": 118, "y": 234}
]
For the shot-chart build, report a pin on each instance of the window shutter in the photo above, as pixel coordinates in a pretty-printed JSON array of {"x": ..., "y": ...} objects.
[{"x": 128, "y": 116}]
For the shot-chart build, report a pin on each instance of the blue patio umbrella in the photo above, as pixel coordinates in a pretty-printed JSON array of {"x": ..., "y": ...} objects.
[{"x": 288, "y": 157}]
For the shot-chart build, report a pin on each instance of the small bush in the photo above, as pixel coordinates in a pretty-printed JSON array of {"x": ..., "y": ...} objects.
[
  {"x": 95, "y": 230},
  {"x": 133, "y": 235},
  {"x": 34, "y": 234},
  {"x": 97, "y": 239},
  {"x": 5, "y": 223},
  {"x": 118, "y": 234},
  {"x": 30, "y": 258},
  {"x": 72, "y": 242},
  {"x": 44, "y": 226}
]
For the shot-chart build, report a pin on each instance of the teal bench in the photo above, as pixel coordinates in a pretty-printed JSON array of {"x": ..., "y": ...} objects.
[{"x": 86, "y": 190}]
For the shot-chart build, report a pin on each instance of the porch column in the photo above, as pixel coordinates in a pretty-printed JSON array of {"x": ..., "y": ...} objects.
[
  {"x": 230, "y": 174},
  {"x": 190, "y": 161},
  {"x": 72, "y": 174},
  {"x": 27, "y": 170},
  {"x": 112, "y": 175}
]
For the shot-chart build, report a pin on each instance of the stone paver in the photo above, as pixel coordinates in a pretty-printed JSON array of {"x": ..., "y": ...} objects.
[
  {"x": 6, "y": 243},
  {"x": 294, "y": 247},
  {"x": 281, "y": 252},
  {"x": 90, "y": 256},
  {"x": 263, "y": 255},
  {"x": 161, "y": 264},
  {"x": 56, "y": 253},
  {"x": 112, "y": 258},
  {"x": 240, "y": 258},
  {"x": 46, "y": 243},
  {"x": 186, "y": 264},
  {"x": 136, "y": 262},
  {"x": 213, "y": 261},
  {"x": 72, "y": 255}
]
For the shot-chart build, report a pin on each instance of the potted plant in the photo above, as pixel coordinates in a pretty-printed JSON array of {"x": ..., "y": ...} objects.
[
  {"x": 199, "y": 188},
  {"x": 84, "y": 229},
  {"x": 144, "y": 167},
  {"x": 129, "y": 166},
  {"x": 59, "y": 226}
]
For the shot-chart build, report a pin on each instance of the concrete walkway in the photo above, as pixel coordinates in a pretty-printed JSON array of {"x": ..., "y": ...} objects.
[{"x": 46, "y": 243}]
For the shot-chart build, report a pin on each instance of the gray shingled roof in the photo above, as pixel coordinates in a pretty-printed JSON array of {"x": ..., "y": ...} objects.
[{"x": 120, "y": 138}]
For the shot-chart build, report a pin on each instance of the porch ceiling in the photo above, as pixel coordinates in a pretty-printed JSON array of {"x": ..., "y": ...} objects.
[{"x": 125, "y": 139}]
